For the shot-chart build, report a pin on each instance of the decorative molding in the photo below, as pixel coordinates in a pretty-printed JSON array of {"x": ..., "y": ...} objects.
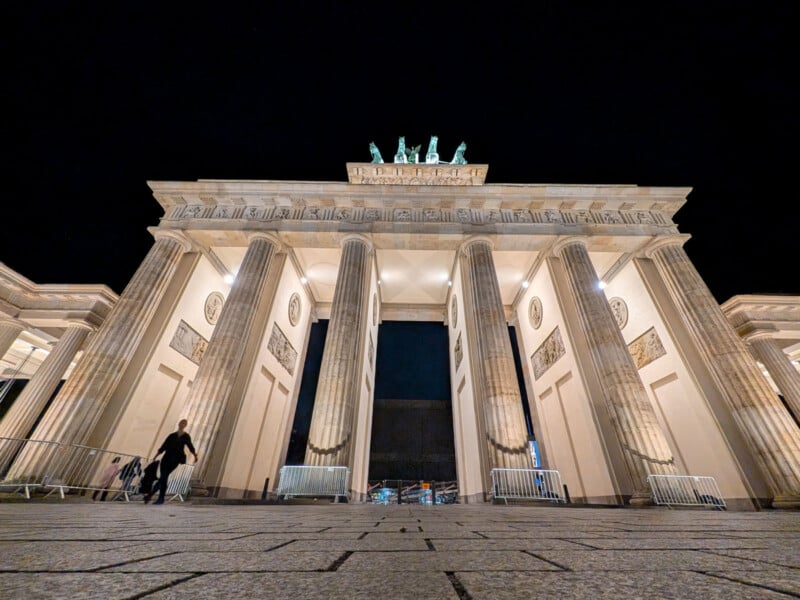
[
  {"x": 646, "y": 348},
  {"x": 454, "y": 311},
  {"x": 416, "y": 174},
  {"x": 371, "y": 351},
  {"x": 188, "y": 342},
  {"x": 546, "y": 355},
  {"x": 282, "y": 349},
  {"x": 374, "y": 309}
]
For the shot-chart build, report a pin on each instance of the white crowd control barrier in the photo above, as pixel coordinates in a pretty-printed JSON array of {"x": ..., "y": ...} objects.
[
  {"x": 27, "y": 465},
  {"x": 685, "y": 490},
  {"x": 527, "y": 484},
  {"x": 179, "y": 482},
  {"x": 302, "y": 480}
]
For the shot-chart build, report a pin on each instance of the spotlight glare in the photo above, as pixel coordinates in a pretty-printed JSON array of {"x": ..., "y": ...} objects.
[
  {"x": 303, "y": 280},
  {"x": 525, "y": 284},
  {"x": 228, "y": 278},
  {"x": 601, "y": 285}
]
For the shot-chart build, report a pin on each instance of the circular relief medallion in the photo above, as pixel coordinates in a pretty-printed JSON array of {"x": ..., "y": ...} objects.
[
  {"x": 213, "y": 306},
  {"x": 620, "y": 310},
  {"x": 294, "y": 308},
  {"x": 454, "y": 312},
  {"x": 374, "y": 309},
  {"x": 535, "y": 312}
]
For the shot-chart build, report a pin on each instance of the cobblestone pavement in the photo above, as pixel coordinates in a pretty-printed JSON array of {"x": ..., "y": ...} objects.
[{"x": 118, "y": 550}]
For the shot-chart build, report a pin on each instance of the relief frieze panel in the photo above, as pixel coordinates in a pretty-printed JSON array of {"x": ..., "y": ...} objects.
[
  {"x": 475, "y": 216},
  {"x": 646, "y": 348},
  {"x": 188, "y": 342},
  {"x": 281, "y": 348},
  {"x": 546, "y": 355}
]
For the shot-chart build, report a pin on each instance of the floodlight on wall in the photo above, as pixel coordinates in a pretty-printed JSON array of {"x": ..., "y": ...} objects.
[
  {"x": 449, "y": 284},
  {"x": 525, "y": 284},
  {"x": 228, "y": 278},
  {"x": 303, "y": 280},
  {"x": 601, "y": 284}
]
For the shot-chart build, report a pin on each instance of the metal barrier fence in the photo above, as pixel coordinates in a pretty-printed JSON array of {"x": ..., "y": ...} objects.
[
  {"x": 27, "y": 465},
  {"x": 527, "y": 484},
  {"x": 179, "y": 482},
  {"x": 302, "y": 480},
  {"x": 685, "y": 490}
]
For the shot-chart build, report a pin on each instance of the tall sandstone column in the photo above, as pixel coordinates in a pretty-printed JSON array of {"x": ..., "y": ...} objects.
[
  {"x": 768, "y": 427},
  {"x": 330, "y": 439},
  {"x": 780, "y": 368},
  {"x": 9, "y": 332},
  {"x": 219, "y": 367},
  {"x": 644, "y": 445},
  {"x": 79, "y": 404},
  {"x": 504, "y": 416},
  {"x": 22, "y": 415}
]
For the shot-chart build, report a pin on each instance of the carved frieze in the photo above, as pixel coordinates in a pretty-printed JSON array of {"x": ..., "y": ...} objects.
[
  {"x": 188, "y": 342},
  {"x": 454, "y": 312},
  {"x": 371, "y": 351},
  {"x": 407, "y": 214},
  {"x": 282, "y": 349},
  {"x": 548, "y": 353},
  {"x": 646, "y": 348},
  {"x": 459, "y": 352}
]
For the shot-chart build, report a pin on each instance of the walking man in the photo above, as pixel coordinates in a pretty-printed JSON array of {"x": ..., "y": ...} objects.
[{"x": 174, "y": 455}]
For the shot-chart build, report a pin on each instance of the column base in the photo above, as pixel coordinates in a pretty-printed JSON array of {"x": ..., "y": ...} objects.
[
  {"x": 198, "y": 489},
  {"x": 640, "y": 500},
  {"x": 786, "y": 502}
]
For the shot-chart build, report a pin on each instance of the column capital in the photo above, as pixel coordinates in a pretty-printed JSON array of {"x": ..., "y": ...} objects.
[
  {"x": 357, "y": 237},
  {"x": 176, "y": 235},
  {"x": 661, "y": 241},
  {"x": 475, "y": 239},
  {"x": 562, "y": 243},
  {"x": 81, "y": 324},
  {"x": 12, "y": 322},
  {"x": 267, "y": 237},
  {"x": 759, "y": 334}
]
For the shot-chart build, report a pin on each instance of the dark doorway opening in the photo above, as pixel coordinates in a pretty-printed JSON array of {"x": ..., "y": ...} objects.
[{"x": 412, "y": 419}]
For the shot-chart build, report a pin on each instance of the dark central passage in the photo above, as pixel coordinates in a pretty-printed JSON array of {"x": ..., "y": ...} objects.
[{"x": 412, "y": 419}]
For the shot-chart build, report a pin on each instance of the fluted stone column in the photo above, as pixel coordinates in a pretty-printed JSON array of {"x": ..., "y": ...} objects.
[
  {"x": 9, "y": 332},
  {"x": 644, "y": 445},
  {"x": 504, "y": 416},
  {"x": 218, "y": 369},
  {"x": 330, "y": 438},
  {"x": 768, "y": 427},
  {"x": 79, "y": 404},
  {"x": 780, "y": 369},
  {"x": 32, "y": 400}
]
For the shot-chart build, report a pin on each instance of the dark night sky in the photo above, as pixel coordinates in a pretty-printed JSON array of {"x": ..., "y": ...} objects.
[{"x": 99, "y": 100}]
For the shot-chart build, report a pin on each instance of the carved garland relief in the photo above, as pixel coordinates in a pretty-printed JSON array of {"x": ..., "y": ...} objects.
[
  {"x": 454, "y": 312},
  {"x": 459, "y": 352}
]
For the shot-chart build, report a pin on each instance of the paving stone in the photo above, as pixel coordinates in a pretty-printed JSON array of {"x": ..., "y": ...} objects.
[
  {"x": 649, "y": 560},
  {"x": 193, "y": 562},
  {"x": 680, "y": 585},
  {"x": 313, "y": 586},
  {"x": 444, "y": 561},
  {"x": 86, "y": 586},
  {"x": 784, "y": 580}
]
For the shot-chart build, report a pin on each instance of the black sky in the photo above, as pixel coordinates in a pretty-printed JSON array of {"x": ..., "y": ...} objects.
[{"x": 97, "y": 100}]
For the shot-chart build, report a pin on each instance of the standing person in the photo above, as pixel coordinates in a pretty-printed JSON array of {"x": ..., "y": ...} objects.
[
  {"x": 107, "y": 479},
  {"x": 127, "y": 474},
  {"x": 174, "y": 455}
]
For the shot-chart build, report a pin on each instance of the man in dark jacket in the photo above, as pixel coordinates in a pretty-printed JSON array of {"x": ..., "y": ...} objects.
[{"x": 174, "y": 455}]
